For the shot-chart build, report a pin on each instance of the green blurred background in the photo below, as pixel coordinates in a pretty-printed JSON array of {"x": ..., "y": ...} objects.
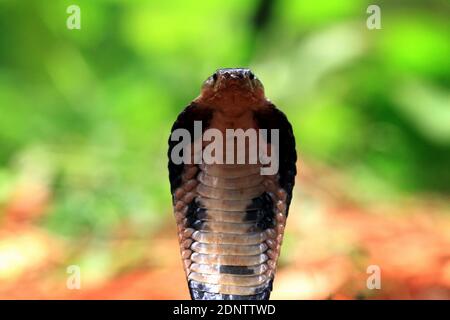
[{"x": 85, "y": 114}]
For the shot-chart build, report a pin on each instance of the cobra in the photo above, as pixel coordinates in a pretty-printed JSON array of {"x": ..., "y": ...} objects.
[{"x": 230, "y": 217}]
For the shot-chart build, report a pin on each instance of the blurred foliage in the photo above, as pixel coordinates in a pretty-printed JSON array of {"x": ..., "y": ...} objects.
[{"x": 87, "y": 113}]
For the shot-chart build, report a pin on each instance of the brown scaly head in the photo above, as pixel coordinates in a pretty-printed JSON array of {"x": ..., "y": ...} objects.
[
  {"x": 232, "y": 88},
  {"x": 231, "y": 216}
]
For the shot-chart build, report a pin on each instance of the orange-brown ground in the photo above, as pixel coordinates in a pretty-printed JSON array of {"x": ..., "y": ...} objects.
[{"x": 328, "y": 246}]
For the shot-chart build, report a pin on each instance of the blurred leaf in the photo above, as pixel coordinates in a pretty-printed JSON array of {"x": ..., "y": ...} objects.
[
  {"x": 416, "y": 43},
  {"x": 428, "y": 109}
]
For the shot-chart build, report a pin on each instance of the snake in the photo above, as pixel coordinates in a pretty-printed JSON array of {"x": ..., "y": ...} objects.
[{"x": 231, "y": 217}]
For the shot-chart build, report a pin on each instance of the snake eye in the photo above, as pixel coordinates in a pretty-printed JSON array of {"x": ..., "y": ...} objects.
[
  {"x": 251, "y": 76},
  {"x": 214, "y": 76}
]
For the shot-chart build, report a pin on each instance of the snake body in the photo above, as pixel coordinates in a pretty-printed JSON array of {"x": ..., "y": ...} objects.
[{"x": 231, "y": 217}]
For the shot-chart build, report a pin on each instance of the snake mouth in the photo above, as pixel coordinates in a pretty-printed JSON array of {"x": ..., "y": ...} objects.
[{"x": 235, "y": 85}]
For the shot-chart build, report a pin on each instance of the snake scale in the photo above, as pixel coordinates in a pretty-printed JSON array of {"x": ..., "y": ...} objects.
[{"x": 230, "y": 216}]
